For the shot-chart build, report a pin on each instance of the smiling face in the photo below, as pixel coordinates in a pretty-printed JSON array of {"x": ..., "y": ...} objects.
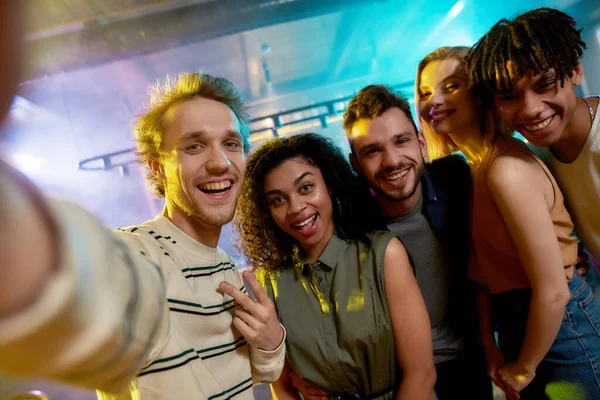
[
  {"x": 388, "y": 153},
  {"x": 202, "y": 161},
  {"x": 300, "y": 204},
  {"x": 445, "y": 103},
  {"x": 538, "y": 107}
]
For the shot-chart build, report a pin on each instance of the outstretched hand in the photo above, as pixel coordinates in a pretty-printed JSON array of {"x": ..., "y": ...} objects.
[{"x": 255, "y": 318}]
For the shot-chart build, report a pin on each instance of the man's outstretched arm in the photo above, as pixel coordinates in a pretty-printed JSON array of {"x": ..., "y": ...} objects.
[{"x": 76, "y": 304}]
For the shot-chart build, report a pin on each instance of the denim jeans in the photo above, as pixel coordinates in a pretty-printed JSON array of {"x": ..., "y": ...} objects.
[{"x": 571, "y": 368}]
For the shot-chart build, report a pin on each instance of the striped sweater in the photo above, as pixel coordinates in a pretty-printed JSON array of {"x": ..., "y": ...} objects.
[{"x": 105, "y": 323}]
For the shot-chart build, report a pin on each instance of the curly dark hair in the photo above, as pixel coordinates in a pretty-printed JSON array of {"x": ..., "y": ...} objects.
[
  {"x": 372, "y": 101},
  {"x": 537, "y": 40},
  {"x": 263, "y": 243}
]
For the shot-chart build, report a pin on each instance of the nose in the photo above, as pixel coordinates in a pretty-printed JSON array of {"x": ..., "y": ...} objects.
[
  {"x": 296, "y": 204},
  {"x": 390, "y": 159},
  {"x": 531, "y": 105},
  {"x": 436, "y": 99},
  {"x": 218, "y": 161}
]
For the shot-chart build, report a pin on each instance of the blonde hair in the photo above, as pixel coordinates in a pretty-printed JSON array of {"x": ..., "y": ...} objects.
[
  {"x": 149, "y": 130},
  {"x": 439, "y": 146}
]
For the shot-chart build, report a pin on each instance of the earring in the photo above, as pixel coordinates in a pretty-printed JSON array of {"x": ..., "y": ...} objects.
[{"x": 339, "y": 206}]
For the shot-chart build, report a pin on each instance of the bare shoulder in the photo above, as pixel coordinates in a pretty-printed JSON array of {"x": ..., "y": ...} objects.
[
  {"x": 518, "y": 178},
  {"x": 517, "y": 170},
  {"x": 396, "y": 256},
  {"x": 395, "y": 249}
]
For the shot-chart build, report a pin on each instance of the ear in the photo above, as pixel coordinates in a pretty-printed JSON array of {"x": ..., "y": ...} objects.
[
  {"x": 354, "y": 162},
  {"x": 157, "y": 169},
  {"x": 423, "y": 145},
  {"x": 577, "y": 74}
]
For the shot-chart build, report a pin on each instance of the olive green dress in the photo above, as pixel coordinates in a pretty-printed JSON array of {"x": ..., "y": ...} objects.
[{"x": 339, "y": 332}]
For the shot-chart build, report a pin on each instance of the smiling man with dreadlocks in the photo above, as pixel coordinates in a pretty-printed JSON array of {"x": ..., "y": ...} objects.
[{"x": 528, "y": 68}]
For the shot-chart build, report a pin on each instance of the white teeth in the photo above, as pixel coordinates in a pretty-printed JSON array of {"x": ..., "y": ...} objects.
[
  {"x": 539, "y": 126},
  {"x": 216, "y": 185},
  {"x": 306, "y": 221},
  {"x": 397, "y": 176},
  {"x": 440, "y": 115}
]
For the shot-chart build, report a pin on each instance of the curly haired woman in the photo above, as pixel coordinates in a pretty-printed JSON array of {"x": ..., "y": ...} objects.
[{"x": 355, "y": 318}]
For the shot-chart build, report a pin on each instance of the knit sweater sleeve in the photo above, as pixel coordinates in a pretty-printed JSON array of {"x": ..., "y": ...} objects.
[{"x": 99, "y": 319}]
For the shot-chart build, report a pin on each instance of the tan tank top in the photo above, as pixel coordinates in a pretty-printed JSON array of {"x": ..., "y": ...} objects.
[{"x": 498, "y": 266}]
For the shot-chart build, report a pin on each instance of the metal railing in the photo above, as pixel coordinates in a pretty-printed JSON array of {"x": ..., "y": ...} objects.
[{"x": 320, "y": 112}]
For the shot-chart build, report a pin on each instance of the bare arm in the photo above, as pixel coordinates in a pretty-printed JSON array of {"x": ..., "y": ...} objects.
[
  {"x": 493, "y": 355},
  {"x": 23, "y": 272},
  {"x": 410, "y": 322},
  {"x": 524, "y": 195},
  {"x": 73, "y": 323}
]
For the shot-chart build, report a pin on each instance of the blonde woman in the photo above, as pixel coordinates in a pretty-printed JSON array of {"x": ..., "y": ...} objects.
[{"x": 548, "y": 320}]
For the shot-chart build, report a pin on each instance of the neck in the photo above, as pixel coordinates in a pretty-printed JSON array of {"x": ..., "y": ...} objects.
[
  {"x": 572, "y": 140},
  {"x": 206, "y": 234},
  {"x": 396, "y": 208},
  {"x": 471, "y": 143}
]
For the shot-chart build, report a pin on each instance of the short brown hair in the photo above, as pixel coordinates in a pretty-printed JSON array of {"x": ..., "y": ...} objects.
[
  {"x": 149, "y": 129},
  {"x": 371, "y": 102}
]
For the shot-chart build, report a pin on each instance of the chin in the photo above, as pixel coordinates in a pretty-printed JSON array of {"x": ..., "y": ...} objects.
[
  {"x": 311, "y": 241},
  {"x": 220, "y": 220},
  {"x": 443, "y": 130},
  {"x": 545, "y": 141},
  {"x": 216, "y": 215}
]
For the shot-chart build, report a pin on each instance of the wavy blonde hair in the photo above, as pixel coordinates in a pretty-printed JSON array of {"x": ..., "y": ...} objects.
[{"x": 439, "y": 146}]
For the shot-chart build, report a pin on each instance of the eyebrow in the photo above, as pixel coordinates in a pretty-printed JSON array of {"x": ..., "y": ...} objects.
[
  {"x": 369, "y": 147},
  {"x": 296, "y": 181},
  {"x": 455, "y": 76},
  {"x": 545, "y": 75},
  {"x": 378, "y": 144},
  {"x": 199, "y": 134}
]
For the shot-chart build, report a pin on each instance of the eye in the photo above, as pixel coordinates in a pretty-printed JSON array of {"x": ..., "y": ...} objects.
[
  {"x": 194, "y": 147},
  {"x": 233, "y": 145},
  {"x": 451, "y": 86},
  {"x": 306, "y": 188},
  {"x": 275, "y": 201},
  {"x": 548, "y": 84},
  {"x": 424, "y": 95},
  {"x": 371, "y": 152},
  {"x": 402, "y": 141}
]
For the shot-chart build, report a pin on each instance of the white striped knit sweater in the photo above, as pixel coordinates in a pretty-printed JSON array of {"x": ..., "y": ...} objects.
[{"x": 105, "y": 320}]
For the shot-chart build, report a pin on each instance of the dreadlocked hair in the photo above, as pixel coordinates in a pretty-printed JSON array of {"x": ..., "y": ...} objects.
[
  {"x": 537, "y": 40},
  {"x": 259, "y": 238}
]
